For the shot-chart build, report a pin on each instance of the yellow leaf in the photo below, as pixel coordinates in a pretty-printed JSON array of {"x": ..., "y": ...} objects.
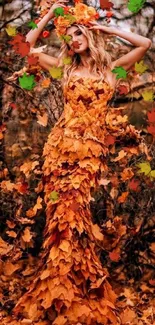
[
  {"x": 67, "y": 60},
  {"x": 148, "y": 95},
  {"x": 144, "y": 168},
  {"x": 152, "y": 173},
  {"x": 140, "y": 67},
  {"x": 56, "y": 72},
  {"x": 11, "y": 30}
]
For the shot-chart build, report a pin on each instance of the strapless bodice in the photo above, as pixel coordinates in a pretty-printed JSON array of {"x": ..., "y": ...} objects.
[
  {"x": 88, "y": 92},
  {"x": 86, "y": 97}
]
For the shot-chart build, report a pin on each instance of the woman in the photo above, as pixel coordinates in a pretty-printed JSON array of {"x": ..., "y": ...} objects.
[{"x": 88, "y": 144}]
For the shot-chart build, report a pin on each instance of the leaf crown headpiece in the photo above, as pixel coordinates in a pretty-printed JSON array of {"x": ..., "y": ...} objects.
[{"x": 80, "y": 14}]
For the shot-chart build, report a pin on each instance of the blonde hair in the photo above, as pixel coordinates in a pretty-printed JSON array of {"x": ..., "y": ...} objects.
[{"x": 99, "y": 58}]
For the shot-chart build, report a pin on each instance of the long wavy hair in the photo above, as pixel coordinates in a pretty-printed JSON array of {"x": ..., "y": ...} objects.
[{"x": 98, "y": 57}]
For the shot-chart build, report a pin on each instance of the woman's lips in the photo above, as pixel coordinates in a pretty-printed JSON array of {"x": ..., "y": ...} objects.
[{"x": 79, "y": 44}]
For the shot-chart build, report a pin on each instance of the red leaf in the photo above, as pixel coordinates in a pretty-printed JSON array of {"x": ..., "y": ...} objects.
[
  {"x": 23, "y": 49},
  {"x": 17, "y": 39},
  {"x": 32, "y": 60},
  {"x": 106, "y": 5},
  {"x": 109, "y": 14},
  {"x": 151, "y": 129},
  {"x": 66, "y": 10},
  {"x": 110, "y": 139},
  {"x": 151, "y": 116},
  {"x": 20, "y": 45},
  {"x": 134, "y": 185},
  {"x": 123, "y": 90},
  {"x": 45, "y": 33},
  {"x": 37, "y": 21},
  {"x": 22, "y": 188},
  {"x": 114, "y": 256},
  {"x": 152, "y": 282},
  {"x": 71, "y": 52},
  {"x": 75, "y": 44},
  {"x": 13, "y": 105}
]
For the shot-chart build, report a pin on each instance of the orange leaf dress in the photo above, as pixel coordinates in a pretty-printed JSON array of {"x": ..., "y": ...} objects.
[{"x": 72, "y": 286}]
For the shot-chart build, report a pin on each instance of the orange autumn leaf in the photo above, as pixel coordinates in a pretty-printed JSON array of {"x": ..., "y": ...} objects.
[
  {"x": 10, "y": 224},
  {"x": 10, "y": 268},
  {"x": 127, "y": 174},
  {"x": 65, "y": 245},
  {"x": 38, "y": 204},
  {"x": 122, "y": 198},
  {"x": 46, "y": 82},
  {"x": 11, "y": 233},
  {"x": 27, "y": 236},
  {"x": 128, "y": 316},
  {"x": 8, "y": 186},
  {"x": 97, "y": 232},
  {"x": 27, "y": 167},
  {"x": 32, "y": 211},
  {"x": 121, "y": 155},
  {"x": 4, "y": 247}
]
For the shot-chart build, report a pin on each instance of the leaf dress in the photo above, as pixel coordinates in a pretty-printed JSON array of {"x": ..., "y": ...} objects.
[{"x": 71, "y": 283}]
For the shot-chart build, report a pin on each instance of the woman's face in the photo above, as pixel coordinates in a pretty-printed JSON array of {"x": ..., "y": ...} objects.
[{"x": 77, "y": 36}]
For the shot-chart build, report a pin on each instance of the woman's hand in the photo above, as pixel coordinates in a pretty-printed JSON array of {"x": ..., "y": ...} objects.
[
  {"x": 104, "y": 29},
  {"x": 17, "y": 74},
  {"x": 59, "y": 3}
]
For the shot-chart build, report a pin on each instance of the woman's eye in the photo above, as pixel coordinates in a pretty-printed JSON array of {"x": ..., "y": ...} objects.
[{"x": 79, "y": 33}]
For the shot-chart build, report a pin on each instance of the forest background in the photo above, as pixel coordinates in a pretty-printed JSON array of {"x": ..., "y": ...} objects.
[{"x": 27, "y": 117}]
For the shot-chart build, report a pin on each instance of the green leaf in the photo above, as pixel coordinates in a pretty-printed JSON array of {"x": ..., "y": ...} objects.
[
  {"x": 54, "y": 196},
  {"x": 32, "y": 25},
  {"x": 144, "y": 168},
  {"x": 135, "y": 5},
  {"x": 59, "y": 11},
  {"x": 121, "y": 72},
  {"x": 71, "y": 18},
  {"x": 66, "y": 38},
  {"x": 27, "y": 82}
]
